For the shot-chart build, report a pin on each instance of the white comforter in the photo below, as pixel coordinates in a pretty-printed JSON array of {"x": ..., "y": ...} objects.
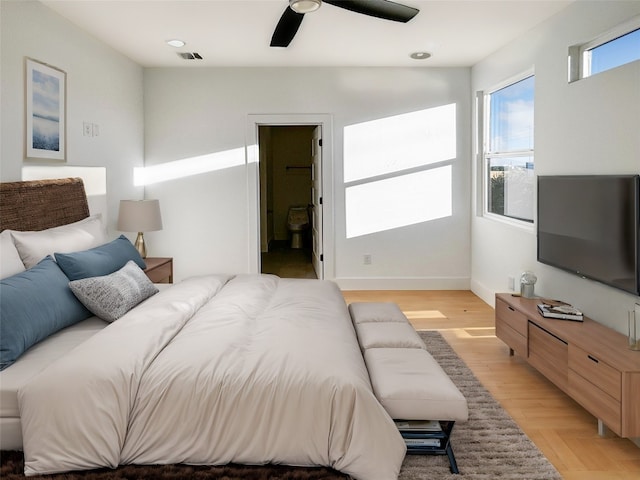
[{"x": 249, "y": 369}]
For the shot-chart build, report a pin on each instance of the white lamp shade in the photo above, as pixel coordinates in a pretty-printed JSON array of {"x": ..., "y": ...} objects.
[{"x": 139, "y": 216}]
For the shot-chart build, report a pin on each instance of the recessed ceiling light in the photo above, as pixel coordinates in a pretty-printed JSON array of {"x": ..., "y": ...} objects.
[
  {"x": 420, "y": 55},
  {"x": 176, "y": 43}
]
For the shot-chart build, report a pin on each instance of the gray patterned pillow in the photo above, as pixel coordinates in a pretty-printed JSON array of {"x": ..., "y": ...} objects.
[{"x": 111, "y": 296}]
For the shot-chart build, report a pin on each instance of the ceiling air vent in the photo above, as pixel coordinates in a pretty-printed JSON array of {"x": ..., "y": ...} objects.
[{"x": 190, "y": 55}]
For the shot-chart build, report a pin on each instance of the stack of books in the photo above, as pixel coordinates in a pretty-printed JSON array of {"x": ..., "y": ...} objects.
[
  {"x": 421, "y": 434},
  {"x": 561, "y": 311}
]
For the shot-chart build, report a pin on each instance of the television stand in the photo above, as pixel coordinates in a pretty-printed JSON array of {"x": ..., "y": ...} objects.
[{"x": 588, "y": 361}]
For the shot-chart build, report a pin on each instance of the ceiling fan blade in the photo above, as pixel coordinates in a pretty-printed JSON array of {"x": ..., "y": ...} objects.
[
  {"x": 286, "y": 28},
  {"x": 378, "y": 8}
]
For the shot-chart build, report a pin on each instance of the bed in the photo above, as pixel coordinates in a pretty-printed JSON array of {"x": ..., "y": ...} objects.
[{"x": 250, "y": 369}]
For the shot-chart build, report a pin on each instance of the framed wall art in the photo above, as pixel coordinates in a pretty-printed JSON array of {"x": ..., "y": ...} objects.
[{"x": 45, "y": 114}]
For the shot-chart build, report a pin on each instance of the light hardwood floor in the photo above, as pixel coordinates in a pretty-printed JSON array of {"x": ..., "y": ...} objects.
[{"x": 562, "y": 430}]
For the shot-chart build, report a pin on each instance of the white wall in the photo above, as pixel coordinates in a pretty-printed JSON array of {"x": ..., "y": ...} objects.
[
  {"x": 103, "y": 87},
  {"x": 587, "y": 127},
  {"x": 198, "y": 112}
]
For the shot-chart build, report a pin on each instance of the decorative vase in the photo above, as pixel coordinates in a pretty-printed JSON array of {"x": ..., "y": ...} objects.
[{"x": 527, "y": 283}]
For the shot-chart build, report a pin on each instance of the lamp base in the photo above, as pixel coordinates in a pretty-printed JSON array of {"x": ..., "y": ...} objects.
[{"x": 140, "y": 245}]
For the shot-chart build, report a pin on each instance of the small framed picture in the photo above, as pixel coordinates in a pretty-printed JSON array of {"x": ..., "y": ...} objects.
[{"x": 46, "y": 89}]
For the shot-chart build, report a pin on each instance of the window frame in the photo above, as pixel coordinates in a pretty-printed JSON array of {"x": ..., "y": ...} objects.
[
  {"x": 484, "y": 120},
  {"x": 579, "y": 63}
]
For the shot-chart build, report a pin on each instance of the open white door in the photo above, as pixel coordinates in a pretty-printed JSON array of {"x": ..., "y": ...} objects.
[{"x": 316, "y": 201}]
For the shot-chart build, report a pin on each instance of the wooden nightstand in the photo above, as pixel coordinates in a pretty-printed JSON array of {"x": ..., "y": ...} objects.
[{"x": 159, "y": 269}]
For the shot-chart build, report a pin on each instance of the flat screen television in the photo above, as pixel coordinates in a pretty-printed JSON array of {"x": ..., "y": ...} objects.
[{"x": 590, "y": 225}]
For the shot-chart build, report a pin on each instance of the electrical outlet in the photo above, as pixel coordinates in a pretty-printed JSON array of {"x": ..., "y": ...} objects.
[
  {"x": 95, "y": 130},
  {"x": 511, "y": 283},
  {"x": 87, "y": 129},
  {"x": 366, "y": 259}
]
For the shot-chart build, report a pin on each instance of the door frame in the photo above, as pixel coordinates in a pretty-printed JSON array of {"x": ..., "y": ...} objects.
[{"x": 325, "y": 121}]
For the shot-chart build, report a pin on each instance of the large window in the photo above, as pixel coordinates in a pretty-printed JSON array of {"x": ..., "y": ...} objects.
[{"x": 509, "y": 181}]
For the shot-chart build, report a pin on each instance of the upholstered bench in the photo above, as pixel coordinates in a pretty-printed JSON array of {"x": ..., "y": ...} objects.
[
  {"x": 407, "y": 380},
  {"x": 367, "y": 312},
  {"x": 388, "y": 335}
]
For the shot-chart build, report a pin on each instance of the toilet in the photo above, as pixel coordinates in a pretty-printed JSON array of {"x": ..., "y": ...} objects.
[{"x": 297, "y": 223}]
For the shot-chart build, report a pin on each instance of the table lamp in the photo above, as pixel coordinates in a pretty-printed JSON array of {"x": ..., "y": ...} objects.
[{"x": 139, "y": 216}]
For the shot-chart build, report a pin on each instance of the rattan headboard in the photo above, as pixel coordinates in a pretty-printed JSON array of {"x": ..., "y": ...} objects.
[{"x": 41, "y": 204}]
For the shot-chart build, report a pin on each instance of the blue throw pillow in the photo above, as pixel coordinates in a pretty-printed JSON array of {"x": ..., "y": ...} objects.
[
  {"x": 99, "y": 261},
  {"x": 33, "y": 305}
]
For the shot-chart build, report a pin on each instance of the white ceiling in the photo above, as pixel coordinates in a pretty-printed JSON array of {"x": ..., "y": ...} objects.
[{"x": 238, "y": 32}]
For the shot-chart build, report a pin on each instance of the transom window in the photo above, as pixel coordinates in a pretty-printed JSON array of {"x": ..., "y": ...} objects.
[
  {"x": 612, "y": 49},
  {"x": 509, "y": 181},
  {"x": 616, "y": 52}
]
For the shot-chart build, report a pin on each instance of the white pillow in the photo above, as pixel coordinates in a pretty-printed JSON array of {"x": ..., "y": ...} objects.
[
  {"x": 74, "y": 237},
  {"x": 10, "y": 261}
]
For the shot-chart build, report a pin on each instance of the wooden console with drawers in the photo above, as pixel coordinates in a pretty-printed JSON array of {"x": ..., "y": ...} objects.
[{"x": 590, "y": 362}]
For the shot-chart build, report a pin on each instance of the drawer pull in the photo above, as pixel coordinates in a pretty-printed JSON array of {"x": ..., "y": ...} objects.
[
  {"x": 511, "y": 308},
  {"x": 593, "y": 359}
]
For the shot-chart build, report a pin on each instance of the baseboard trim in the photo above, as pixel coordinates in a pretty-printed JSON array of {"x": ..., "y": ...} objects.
[
  {"x": 486, "y": 294},
  {"x": 393, "y": 283}
]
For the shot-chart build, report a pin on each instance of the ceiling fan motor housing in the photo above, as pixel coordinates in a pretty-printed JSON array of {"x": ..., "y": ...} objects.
[{"x": 291, "y": 19}]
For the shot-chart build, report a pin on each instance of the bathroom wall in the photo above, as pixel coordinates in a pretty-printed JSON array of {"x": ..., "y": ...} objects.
[
  {"x": 266, "y": 188},
  {"x": 291, "y": 169}
]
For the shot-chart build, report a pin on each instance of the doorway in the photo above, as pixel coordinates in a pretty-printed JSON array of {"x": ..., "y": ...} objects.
[
  {"x": 290, "y": 200},
  {"x": 324, "y": 177}
]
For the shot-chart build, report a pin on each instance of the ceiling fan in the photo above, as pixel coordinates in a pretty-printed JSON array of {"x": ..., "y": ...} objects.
[{"x": 292, "y": 17}]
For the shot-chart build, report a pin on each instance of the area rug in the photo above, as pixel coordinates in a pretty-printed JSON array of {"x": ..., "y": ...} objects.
[{"x": 488, "y": 446}]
